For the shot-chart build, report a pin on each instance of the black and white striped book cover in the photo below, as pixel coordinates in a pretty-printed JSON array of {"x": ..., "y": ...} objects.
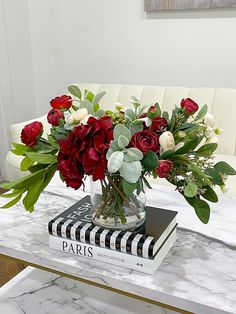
[{"x": 75, "y": 224}]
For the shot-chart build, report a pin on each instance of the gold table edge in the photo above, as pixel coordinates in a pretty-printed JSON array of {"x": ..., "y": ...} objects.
[{"x": 127, "y": 294}]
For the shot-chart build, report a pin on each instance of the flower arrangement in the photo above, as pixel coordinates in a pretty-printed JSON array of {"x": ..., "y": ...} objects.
[{"x": 120, "y": 149}]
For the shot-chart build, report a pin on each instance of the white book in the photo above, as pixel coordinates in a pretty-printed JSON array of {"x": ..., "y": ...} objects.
[{"x": 98, "y": 253}]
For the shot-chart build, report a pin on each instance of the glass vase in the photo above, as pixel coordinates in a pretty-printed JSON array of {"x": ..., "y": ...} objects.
[{"x": 112, "y": 208}]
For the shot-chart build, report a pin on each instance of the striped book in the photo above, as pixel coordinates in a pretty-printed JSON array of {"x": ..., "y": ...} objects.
[{"x": 75, "y": 224}]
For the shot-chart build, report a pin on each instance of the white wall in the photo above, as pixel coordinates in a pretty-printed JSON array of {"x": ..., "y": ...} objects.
[{"x": 114, "y": 41}]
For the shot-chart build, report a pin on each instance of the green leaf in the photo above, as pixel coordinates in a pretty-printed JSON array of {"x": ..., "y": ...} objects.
[
  {"x": 167, "y": 154},
  {"x": 53, "y": 142},
  {"x": 37, "y": 167},
  {"x": 225, "y": 168},
  {"x": 42, "y": 158},
  {"x": 128, "y": 188},
  {"x": 12, "y": 202},
  {"x": 214, "y": 176},
  {"x": 209, "y": 194},
  {"x": 75, "y": 91},
  {"x": 158, "y": 109},
  {"x": 146, "y": 182},
  {"x": 165, "y": 115},
  {"x": 26, "y": 163},
  {"x": 133, "y": 154},
  {"x": 185, "y": 126},
  {"x": 201, "y": 114},
  {"x": 20, "y": 149},
  {"x": 122, "y": 141},
  {"x": 120, "y": 129},
  {"x": 23, "y": 182},
  {"x": 191, "y": 189},
  {"x": 201, "y": 207},
  {"x": 207, "y": 149},
  {"x": 189, "y": 146},
  {"x": 44, "y": 148},
  {"x": 13, "y": 194},
  {"x": 115, "y": 161},
  {"x": 88, "y": 95},
  {"x": 150, "y": 161},
  {"x": 86, "y": 104},
  {"x": 131, "y": 171},
  {"x": 36, "y": 188},
  {"x": 134, "y": 100}
]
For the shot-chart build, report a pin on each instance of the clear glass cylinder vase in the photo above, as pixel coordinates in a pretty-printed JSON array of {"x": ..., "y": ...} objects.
[{"x": 115, "y": 208}]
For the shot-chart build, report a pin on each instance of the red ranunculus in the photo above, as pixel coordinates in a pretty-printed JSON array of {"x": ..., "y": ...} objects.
[
  {"x": 31, "y": 132},
  {"x": 54, "y": 116},
  {"x": 190, "y": 105},
  {"x": 145, "y": 141},
  {"x": 61, "y": 102},
  {"x": 158, "y": 124},
  {"x": 164, "y": 168},
  {"x": 86, "y": 149}
]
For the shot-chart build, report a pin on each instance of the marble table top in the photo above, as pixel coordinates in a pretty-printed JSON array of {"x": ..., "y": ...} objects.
[
  {"x": 198, "y": 275},
  {"x": 38, "y": 291}
]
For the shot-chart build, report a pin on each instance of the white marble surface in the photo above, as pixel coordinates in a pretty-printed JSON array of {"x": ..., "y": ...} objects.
[
  {"x": 198, "y": 275},
  {"x": 35, "y": 291}
]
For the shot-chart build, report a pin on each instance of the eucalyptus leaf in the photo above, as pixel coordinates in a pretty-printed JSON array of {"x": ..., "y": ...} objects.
[
  {"x": 99, "y": 113},
  {"x": 202, "y": 209},
  {"x": 120, "y": 129},
  {"x": 225, "y": 168},
  {"x": 114, "y": 146},
  {"x": 131, "y": 171},
  {"x": 130, "y": 114},
  {"x": 86, "y": 104},
  {"x": 75, "y": 91},
  {"x": 97, "y": 98},
  {"x": 122, "y": 141},
  {"x": 209, "y": 194},
  {"x": 115, "y": 161},
  {"x": 191, "y": 189},
  {"x": 136, "y": 126},
  {"x": 207, "y": 149},
  {"x": 88, "y": 95},
  {"x": 133, "y": 154},
  {"x": 214, "y": 176},
  {"x": 199, "y": 172}
]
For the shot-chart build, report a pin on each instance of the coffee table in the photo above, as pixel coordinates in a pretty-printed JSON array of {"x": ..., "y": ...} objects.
[{"x": 197, "y": 276}]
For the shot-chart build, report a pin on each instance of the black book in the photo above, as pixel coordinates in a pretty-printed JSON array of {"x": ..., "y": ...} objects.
[{"x": 75, "y": 224}]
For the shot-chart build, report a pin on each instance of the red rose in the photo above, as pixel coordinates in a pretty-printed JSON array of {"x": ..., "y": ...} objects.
[
  {"x": 62, "y": 102},
  {"x": 54, "y": 116},
  {"x": 158, "y": 124},
  {"x": 164, "y": 168},
  {"x": 190, "y": 105},
  {"x": 145, "y": 141},
  {"x": 31, "y": 132}
]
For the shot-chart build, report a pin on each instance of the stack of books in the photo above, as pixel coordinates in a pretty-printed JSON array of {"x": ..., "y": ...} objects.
[{"x": 143, "y": 249}]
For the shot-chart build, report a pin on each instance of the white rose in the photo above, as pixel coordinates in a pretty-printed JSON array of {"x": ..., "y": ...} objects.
[
  {"x": 79, "y": 114},
  {"x": 167, "y": 141},
  {"x": 209, "y": 120}
]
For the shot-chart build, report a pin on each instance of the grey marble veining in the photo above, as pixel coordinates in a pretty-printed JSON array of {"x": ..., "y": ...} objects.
[
  {"x": 198, "y": 275},
  {"x": 35, "y": 291}
]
